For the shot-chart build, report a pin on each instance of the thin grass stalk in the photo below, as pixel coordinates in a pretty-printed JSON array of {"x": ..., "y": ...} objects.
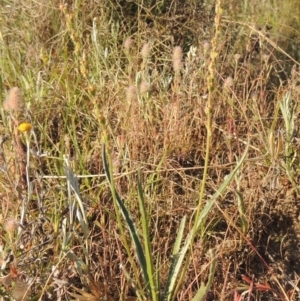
[
  {"x": 157, "y": 276},
  {"x": 170, "y": 288},
  {"x": 26, "y": 203},
  {"x": 288, "y": 114},
  {"x": 110, "y": 177},
  {"x": 174, "y": 279},
  {"x": 241, "y": 204},
  {"x": 54, "y": 269},
  {"x": 210, "y": 86},
  {"x": 131, "y": 227},
  {"x": 79, "y": 208},
  {"x": 180, "y": 280},
  {"x": 201, "y": 214},
  {"x": 132, "y": 283},
  {"x": 154, "y": 286},
  {"x": 204, "y": 287}
]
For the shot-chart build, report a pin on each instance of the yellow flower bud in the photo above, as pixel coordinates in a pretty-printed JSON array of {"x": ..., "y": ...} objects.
[{"x": 25, "y": 127}]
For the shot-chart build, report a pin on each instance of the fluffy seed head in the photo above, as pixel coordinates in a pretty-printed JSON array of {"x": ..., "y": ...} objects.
[
  {"x": 206, "y": 46},
  {"x": 145, "y": 52},
  {"x": 228, "y": 83},
  {"x": 14, "y": 100},
  {"x": 144, "y": 87},
  {"x": 131, "y": 93},
  {"x": 177, "y": 65},
  {"x": 128, "y": 43},
  {"x": 177, "y": 53},
  {"x": 177, "y": 58},
  {"x": 237, "y": 57},
  {"x": 10, "y": 225}
]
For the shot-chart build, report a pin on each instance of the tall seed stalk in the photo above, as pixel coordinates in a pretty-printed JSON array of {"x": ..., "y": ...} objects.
[{"x": 209, "y": 105}]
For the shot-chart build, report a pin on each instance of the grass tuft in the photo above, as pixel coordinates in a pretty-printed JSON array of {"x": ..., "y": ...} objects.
[{"x": 149, "y": 150}]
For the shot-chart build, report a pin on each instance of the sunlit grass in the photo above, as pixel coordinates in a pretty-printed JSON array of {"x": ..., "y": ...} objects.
[{"x": 166, "y": 211}]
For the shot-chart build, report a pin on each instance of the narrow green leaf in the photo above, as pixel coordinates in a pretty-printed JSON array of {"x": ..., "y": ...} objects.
[
  {"x": 145, "y": 230},
  {"x": 201, "y": 293},
  {"x": 179, "y": 236},
  {"x": 132, "y": 229},
  {"x": 157, "y": 276},
  {"x": 175, "y": 257},
  {"x": 179, "y": 258}
]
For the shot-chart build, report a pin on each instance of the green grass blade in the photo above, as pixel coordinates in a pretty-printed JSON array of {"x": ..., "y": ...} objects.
[
  {"x": 201, "y": 293},
  {"x": 132, "y": 229},
  {"x": 179, "y": 257},
  {"x": 179, "y": 236},
  {"x": 73, "y": 181},
  {"x": 145, "y": 230},
  {"x": 157, "y": 275},
  {"x": 175, "y": 256}
]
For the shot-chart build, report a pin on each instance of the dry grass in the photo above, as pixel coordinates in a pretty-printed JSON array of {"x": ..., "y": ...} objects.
[{"x": 143, "y": 74}]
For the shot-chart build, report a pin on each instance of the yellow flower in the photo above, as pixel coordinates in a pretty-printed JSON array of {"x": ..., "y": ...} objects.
[{"x": 25, "y": 127}]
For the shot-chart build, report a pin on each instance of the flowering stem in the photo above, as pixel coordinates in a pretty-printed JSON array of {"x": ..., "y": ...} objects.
[
  {"x": 209, "y": 106},
  {"x": 26, "y": 202}
]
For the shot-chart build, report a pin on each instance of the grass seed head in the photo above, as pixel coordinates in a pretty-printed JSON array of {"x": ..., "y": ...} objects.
[
  {"x": 10, "y": 225},
  {"x": 206, "y": 46},
  {"x": 145, "y": 52},
  {"x": 131, "y": 93},
  {"x": 237, "y": 57},
  {"x": 14, "y": 100},
  {"x": 144, "y": 87},
  {"x": 228, "y": 83},
  {"x": 128, "y": 44},
  {"x": 177, "y": 58}
]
